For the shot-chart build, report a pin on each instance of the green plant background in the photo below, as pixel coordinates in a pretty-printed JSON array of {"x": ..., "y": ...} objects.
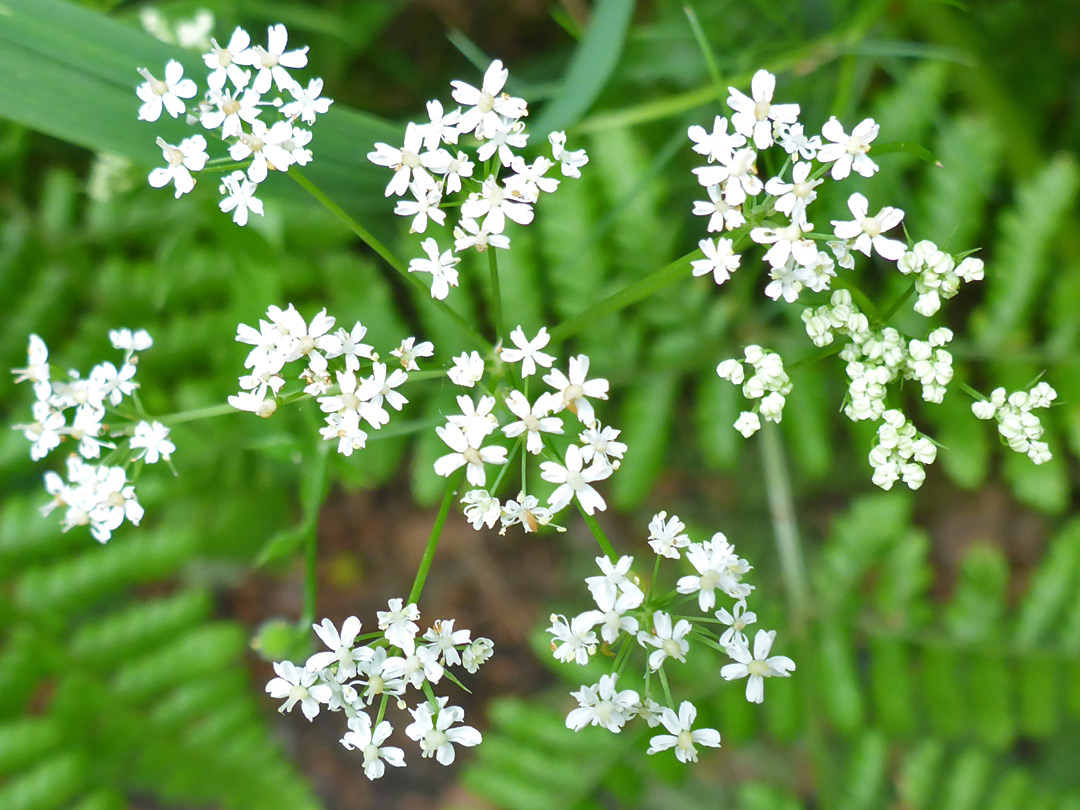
[{"x": 940, "y": 663}]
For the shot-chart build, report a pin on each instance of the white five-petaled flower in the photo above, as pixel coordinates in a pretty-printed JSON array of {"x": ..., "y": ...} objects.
[
  {"x": 409, "y": 350},
  {"x": 408, "y": 162},
  {"x": 612, "y": 607},
  {"x": 718, "y": 145},
  {"x": 468, "y": 369},
  {"x": 369, "y": 741},
  {"x": 533, "y": 420},
  {"x": 444, "y": 639},
  {"x": 575, "y": 390},
  {"x": 271, "y": 62},
  {"x": 718, "y": 567},
  {"x": 754, "y": 117},
  {"x": 574, "y": 640},
  {"x": 602, "y": 705},
  {"x": 440, "y": 265},
  {"x": 436, "y": 734},
  {"x": 867, "y": 230},
  {"x": 788, "y": 242},
  {"x": 240, "y": 197},
  {"x": 847, "y": 152},
  {"x": 466, "y": 454},
  {"x": 188, "y": 157},
  {"x": 796, "y": 195},
  {"x": 168, "y": 93},
  {"x": 399, "y": 624},
  {"x": 721, "y": 215},
  {"x": 670, "y": 641},
  {"x": 153, "y": 439},
  {"x": 598, "y": 443},
  {"x": 308, "y": 102},
  {"x": 720, "y": 259},
  {"x": 528, "y": 352},
  {"x": 737, "y": 621},
  {"x": 570, "y": 162},
  {"x": 496, "y": 205},
  {"x": 667, "y": 535},
  {"x": 486, "y": 104},
  {"x": 574, "y": 481},
  {"x": 442, "y": 127},
  {"x": 295, "y": 685},
  {"x": 425, "y": 205},
  {"x": 340, "y": 648},
  {"x": 223, "y": 62},
  {"x": 682, "y": 736},
  {"x": 758, "y": 666}
]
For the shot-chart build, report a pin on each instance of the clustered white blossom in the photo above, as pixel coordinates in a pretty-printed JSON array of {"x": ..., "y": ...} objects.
[
  {"x": 359, "y": 675},
  {"x": 252, "y": 103},
  {"x": 476, "y": 436},
  {"x": 469, "y": 158},
  {"x": 768, "y": 383},
  {"x": 775, "y": 214},
  {"x": 628, "y": 618},
  {"x": 1020, "y": 429},
  {"x": 354, "y": 391},
  {"x": 96, "y": 490}
]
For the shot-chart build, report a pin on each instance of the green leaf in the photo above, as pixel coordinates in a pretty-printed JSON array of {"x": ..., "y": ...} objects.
[{"x": 591, "y": 66}]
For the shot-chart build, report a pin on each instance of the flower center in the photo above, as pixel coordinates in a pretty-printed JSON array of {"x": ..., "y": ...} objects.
[
  {"x": 802, "y": 189},
  {"x": 855, "y": 145},
  {"x": 604, "y": 709},
  {"x": 871, "y": 226},
  {"x": 371, "y": 754},
  {"x": 575, "y": 481},
  {"x": 350, "y": 401},
  {"x": 115, "y": 499},
  {"x": 531, "y": 423},
  {"x": 267, "y": 408},
  {"x": 486, "y": 102},
  {"x": 671, "y": 647},
  {"x": 230, "y": 106},
  {"x": 267, "y": 59},
  {"x": 709, "y": 580},
  {"x": 761, "y": 110},
  {"x": 376, "y": 684},
  {"x": 410, "y": 159},
  {"x": 434, "y": 739},
  {"x": 759, "y": 668},
  {"x": 472, "y": 455},
  {"x": 298, "y": 692},
  {"x": 686, "y": 740},
  {"x": 573, "y": 392},
  {"x": 307, "y": 343}
]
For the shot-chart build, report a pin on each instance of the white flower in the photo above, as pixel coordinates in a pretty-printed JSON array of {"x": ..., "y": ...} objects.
[
  {"x": 481, "y": 508},
  {"x": 229, "y": 111},
  {"x": 441, "y": 128},
  {"x": 189, "y": 156},
  {"x": 574, "y": 481},
  {"x": 425, "y": 206},
  {"x": 747, "y": 424},
  {"x": 847, "y": 152},
  {"x": 37, "y": 367},
  {"x": 528, "y": 180},
  {"x": 721, "y": 215},
  {"x": 570, "y": 162},
  {"x": 484, "y": 106},
  {"x": 223, "y": 61},
  {"x": 613, "y": 578},
  {"x": 612, "y": 609},
  {"x": 466, "y": 454},
  {"x": 737, "y": 621},
  {"x": 454, "y": 170},
  {"x": 340, "y": 648},
  {"x": 670, "y": 642},
  {"x": 758, "y": 666},
  {"x": 435, "y": 733},
  {"x": 349, "y": 344},
  {"x": 754, "y": 116},
  {"x": 599, "y": 444},
  {"x": 575, "y": 389},
  {"x": 867, "y": 230},
  {"x": 407, "y": 162},
  {"x": 793, "y": 140},
  {"x": 399, "y": 624},
  {"x": 601, "y": 705},
  {"x": 533, "y": 420},
  {"x": 495, "y": 205},
  {"x": 361, "y": 737},
  {"x": 265, "y": 146},
  {"x": 504, "y": 140},
  {"x": 107, "y": 382},
  {"x": 156, "y": 93},
  {"x": 720, "y": 260},
  {"x": 240, "y": 197},
  {"x": 441, "y": 266},
  {"x": 345, "y": 428},
  {"x": 681, "y": 737},
  {"x": 420, "y": 665},
  {"x": 469, "y": 234},
  {"x": 718, "y": 567},
  {"x": 308, "y": 103},
  {"x": 526, "y": 510},
  {"x": 468, "y": 370},
  {"x": 473, "y": 656},
  {"x": 444, "y": 639},
  {"x": 126, "y": 340},
  {"x": 255, "y": 402},
  {"x": 788, "y": 242},
  {"x": 409, "y": 350},
  {"x": 475, "y": 419},
  {"x": 718, "y": 145},
  {"x": 667, "y": 535},
  {"x": 574, "y": 640},
  {"x": 271, "y": 62},
  {"x": 528, "y": 351},
  {"x": 295, "y": 685},
  {"x": 796, "y": 195},
  {"x": 153, "y": 440},
  {"x": 374, "y": 678}
]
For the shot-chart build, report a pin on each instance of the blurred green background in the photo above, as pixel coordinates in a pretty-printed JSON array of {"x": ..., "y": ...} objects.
[{"x": 939, "y": 657}]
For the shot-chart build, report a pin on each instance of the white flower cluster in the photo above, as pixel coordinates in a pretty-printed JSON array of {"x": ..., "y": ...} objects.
[
  {"x": 900, "y": 452},
  {"x": 472, "y": 434},
  {"x": 768, "y": 383},
  {"x": 733, "y": 186},
  {"x": 190, "y": 33},
  {"x": 98, "y": 494},
  {"x": 350, "y": 677},
  {"x": 937, "y": 275},
  {"x": 485, "y": 130},
  {"x": 252, "y": 103},
  {"x": 1019, "y": 427},
  {"x": 349, "y": 399},
  {"x": 626, "y": 618}
]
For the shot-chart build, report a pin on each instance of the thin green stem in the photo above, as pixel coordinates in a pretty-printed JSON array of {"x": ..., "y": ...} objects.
[
  {"x": 706, "y": 51},
  {"x": 785, "y": 529},
  {"x": 496, "y": 294},
  {"x": 311, "y": 576},
  {"x": 899, "y": 302},
  {"x": 598, "y": 533},
  {"x": 208, "y": 412},
  {"x": 369, "y": 239},
  {"x": 433, "y": 541},
  {"x": 667, "y": 689}
]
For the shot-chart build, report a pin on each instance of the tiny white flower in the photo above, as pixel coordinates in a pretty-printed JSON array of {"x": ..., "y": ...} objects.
[
  {"x": 409, "y": 350},
  {"x": 295, "y": 685},
  {"x": 440, "y": 265},
  {"x": 720, "y": 259},
  {"x": 308, "y": 102},
  {"x": 758, "y": 666},
  {"x": 570, "y": 162},
  {"x": 574, "y": 481},
  {"x": 682, "y": 737},
  {"x": 532, "y": 420},
  {"x": 866, "y": 230},
  {"x": 468, "y": 370},
  {"x": 737, "y": 621},
  {"x": 528, "y": 352},
  {"x": 465, "y": 454},
  {"x": 602, "y": 705},
  {"x": 271, "y": 62},
  {"x": 223, "y": 61},
  {"x": 362, "y": 737},
  {"x": 575, "y": 390},
  {"x": 574, "y": 640},
  {"x": 481, "y": 509},
  {"x": 399, "y": 624},
  {"x": 153, "y": 440},
  {"x": 444, "y": 639},
  {"x": 670, "y": 641},
  {"x": 168, "y": 93},
  {"x": 484, "y": 106},
  {"x": 340, "y": 648},
  {"x": 847, "y": 152},
  {"x": 718, "y": 145},
  {"x": 239, "y": 197},
  {"x": 755, "y": 116},
  {"x": 667, "y": 535},
  {"x": 436, "y": 734},
  {"x": 188, "y": 157},
  {"x": 126, "y": 340}
]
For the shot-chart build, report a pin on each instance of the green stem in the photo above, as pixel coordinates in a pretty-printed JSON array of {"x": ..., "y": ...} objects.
[
  {"x": 598, "y": 533},
  {"x": 208, "y": 412},
  {"x": 433, "y": 541},
  {"x": 496, "y": 294},
  {"x": 311, "y": 576},
  {"x": 667, "y": 689},
  {"x": 782, "y": 510},
  {"x": 625, "y": 297},
  {"x": 369, "y": 239},
  {"x": 899, "y": 302},
  {"x": 706, "y": 51}
]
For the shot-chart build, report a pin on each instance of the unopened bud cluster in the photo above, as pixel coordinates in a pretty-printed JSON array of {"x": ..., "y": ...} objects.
[{"x": 1020, "y": 429}]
